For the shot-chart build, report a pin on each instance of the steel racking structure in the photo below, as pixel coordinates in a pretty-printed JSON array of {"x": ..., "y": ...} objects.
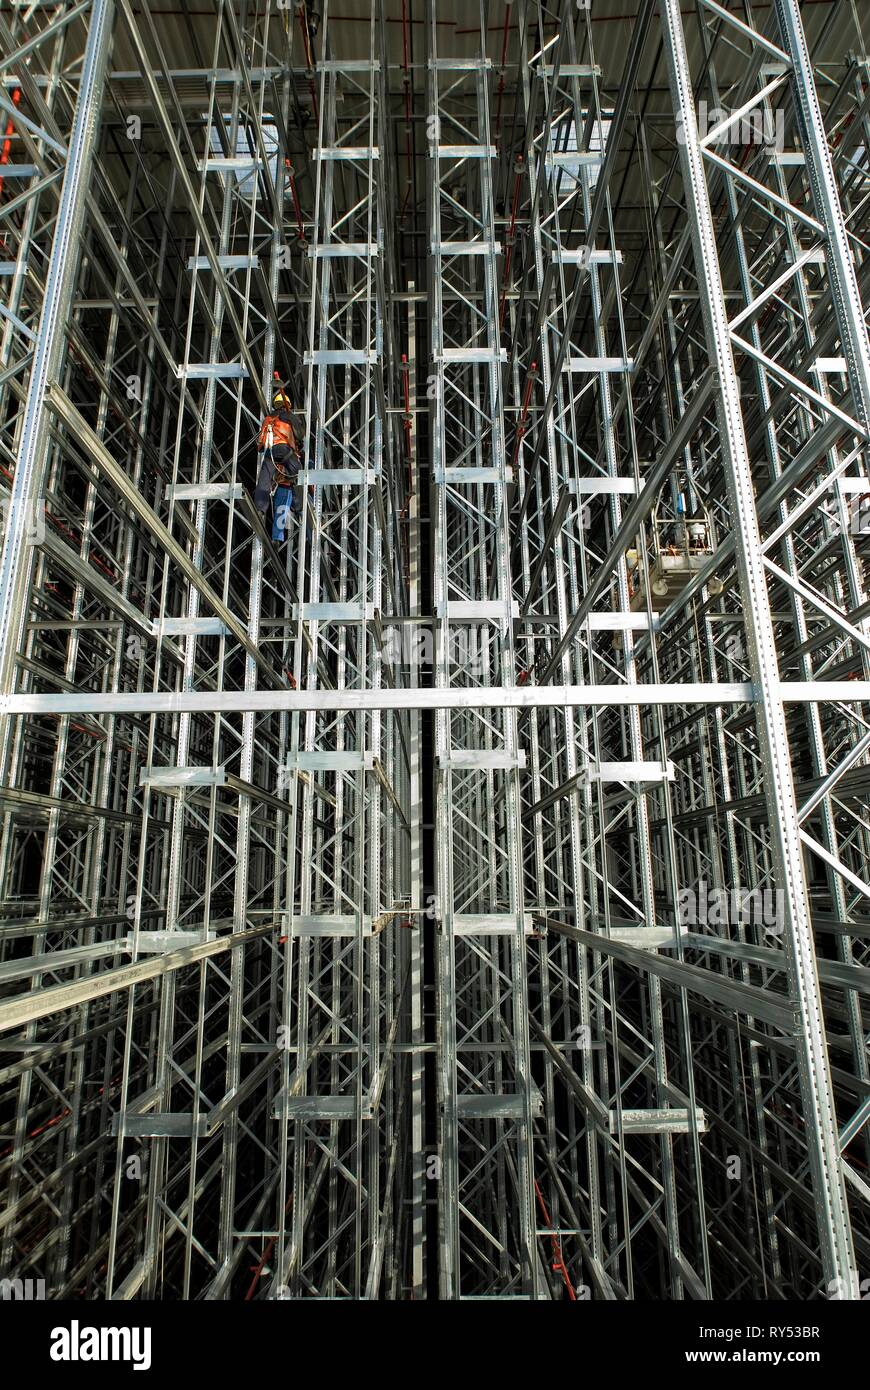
[{"x": 467, "y": 899}]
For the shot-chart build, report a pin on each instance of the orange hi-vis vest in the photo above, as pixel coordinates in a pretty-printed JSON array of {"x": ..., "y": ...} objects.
[{"x": 276, "y": 432}]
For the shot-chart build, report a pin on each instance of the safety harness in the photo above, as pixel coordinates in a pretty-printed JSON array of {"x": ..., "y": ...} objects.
[{"x": 278, "y": 433}]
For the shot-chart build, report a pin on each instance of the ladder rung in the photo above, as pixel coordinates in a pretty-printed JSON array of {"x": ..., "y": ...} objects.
[
  {"x": 673, "y": 1121},
  {"x": 622, "y": 622},
  {"x": 338, "y": 249},
  {"x": 334, "y": 612},
  {"x": 225, "y": 262},
  {"x": 154, "y": 943},
  {"x": 557, "y": 159},
  {"x": 214, "y": 371},
  {"x": 349, "y": 65},
  {"x": 646, "y": 938},
  {"x": 336, "y": 357},
  {"x": 483, "y": 759},
  {"x": 189, "y": 627},
  {"x": 507, "y": 1106},
  {"x": 182, "y": 777},
  {"x": 476, "y": 611},
  {"x": 340, "y": 924},
  {"x": 467, "y": 248},
  {"x": 329, "y": 761},
  {"x": 321, "y": 1108},
  {"x": 484, "y": 355},
  {"x": 489, "y": 924},
  {"x": 464, "y": 151},
  {"x": 630, "y": 772},
  {"x": 594, "y": 487},
  {"x": 460, "y": 64},
  {"x": 343, "y": 477},
  {"x": 579, "y": 255},
  {"x": 570, "y": 70},
  {"x": 347, "y": 152},
  {"x": 599, "y": 364},
  {"x": 204, "y": 492},
  {"x": 222, "y": 164},
  {"x": 454, "y": 476},
  {"x": 158, "y": 1125}
]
